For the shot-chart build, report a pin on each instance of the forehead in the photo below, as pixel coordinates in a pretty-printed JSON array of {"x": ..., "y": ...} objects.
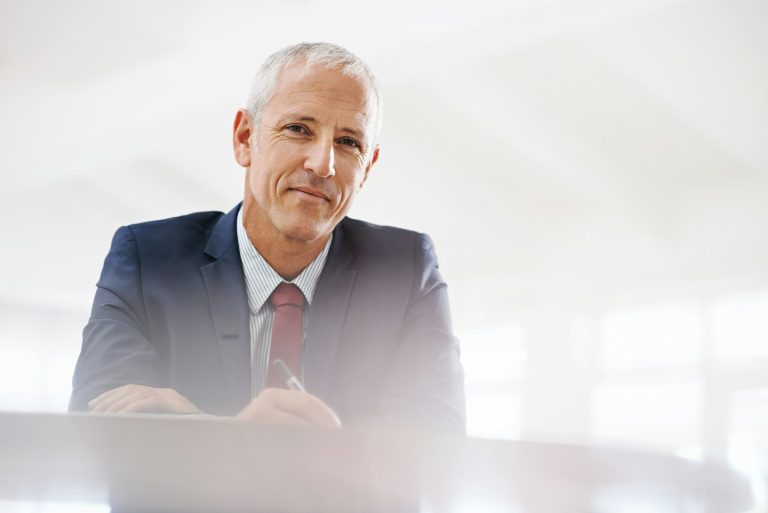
[{"x": 304, "y": 87}]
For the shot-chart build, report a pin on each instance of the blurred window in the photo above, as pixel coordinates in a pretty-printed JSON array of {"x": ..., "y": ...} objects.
[
  {"x": 652, "y": 337},
  {"x": 740, "y": 326},
  {"x": 494, "y": 360}
]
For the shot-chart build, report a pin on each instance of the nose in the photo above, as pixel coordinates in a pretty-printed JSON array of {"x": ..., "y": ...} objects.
[{"x": 320, "y": 159}]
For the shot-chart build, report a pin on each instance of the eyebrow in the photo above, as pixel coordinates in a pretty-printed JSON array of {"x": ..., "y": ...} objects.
[{"x": 310, "y": 119}]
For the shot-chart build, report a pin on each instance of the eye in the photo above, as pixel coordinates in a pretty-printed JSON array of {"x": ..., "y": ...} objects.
[
  {"x": 347, "y": 141},
  {"x": 298, "y": 129}
]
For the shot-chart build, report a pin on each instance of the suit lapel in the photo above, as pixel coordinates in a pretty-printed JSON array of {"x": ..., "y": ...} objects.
[
  {"x": 225, "y": 283},
  {"x": 326, "y": 319}
]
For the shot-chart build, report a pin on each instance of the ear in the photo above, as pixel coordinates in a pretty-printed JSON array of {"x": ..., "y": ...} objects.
[
  {"x": 241, "y": 137},
  {"x": 374, "y": 158}
]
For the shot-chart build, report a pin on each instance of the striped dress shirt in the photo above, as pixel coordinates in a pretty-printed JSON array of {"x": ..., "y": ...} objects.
[{"x": 260, "y": 281}]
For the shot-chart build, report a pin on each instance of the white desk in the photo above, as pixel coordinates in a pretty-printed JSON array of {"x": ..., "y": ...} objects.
[{"x": 163, "y": 464}]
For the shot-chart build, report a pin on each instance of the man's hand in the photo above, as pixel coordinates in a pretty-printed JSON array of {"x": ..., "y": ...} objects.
[
  {"x": 289, "y": 407},
  {"x": 140, "y": 398}
]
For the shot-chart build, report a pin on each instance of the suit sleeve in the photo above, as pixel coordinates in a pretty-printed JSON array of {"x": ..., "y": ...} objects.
[
  {"x": 116, "y": 349},
  {"x": 425, "y": 387}
]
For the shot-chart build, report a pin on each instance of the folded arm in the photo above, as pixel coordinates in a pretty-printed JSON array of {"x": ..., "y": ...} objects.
[
  {"x": 425, "y": 385},
  {"x": 116, "y": 348}
]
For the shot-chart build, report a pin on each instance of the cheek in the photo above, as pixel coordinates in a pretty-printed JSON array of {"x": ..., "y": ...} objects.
[
  {"x": 263, "y": 178},
  {"x": 351, "y": 170},
  {"x": 350, "y": 189},
  {"x": 253, "y": 180},
  {"x": 259, "y": 186}
]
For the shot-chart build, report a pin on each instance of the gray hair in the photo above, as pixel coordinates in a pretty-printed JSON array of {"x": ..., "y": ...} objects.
[{"x": 326, "y": 54}]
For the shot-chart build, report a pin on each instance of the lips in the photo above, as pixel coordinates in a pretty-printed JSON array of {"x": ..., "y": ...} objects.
[{"x": 312, "y": 192}]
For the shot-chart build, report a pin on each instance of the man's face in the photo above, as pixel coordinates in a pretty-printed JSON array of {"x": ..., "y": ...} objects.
[{"x": 312, "y": 156}]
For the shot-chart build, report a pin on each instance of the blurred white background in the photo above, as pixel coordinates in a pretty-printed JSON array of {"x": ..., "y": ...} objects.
[{"x": 594, "y": 175}]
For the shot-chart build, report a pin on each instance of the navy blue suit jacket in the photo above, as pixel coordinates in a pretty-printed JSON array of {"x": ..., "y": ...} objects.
[{"x": 171, "y": 311}]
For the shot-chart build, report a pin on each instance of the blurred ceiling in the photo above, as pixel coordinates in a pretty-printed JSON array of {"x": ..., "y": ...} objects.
[{"x": 556, "y": 151}]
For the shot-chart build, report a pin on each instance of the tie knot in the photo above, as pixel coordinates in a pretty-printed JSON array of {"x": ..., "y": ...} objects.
[{"x": 287, "y": 294}]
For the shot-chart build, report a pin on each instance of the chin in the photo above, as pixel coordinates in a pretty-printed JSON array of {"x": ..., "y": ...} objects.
[{"x": 306, "y": 229}]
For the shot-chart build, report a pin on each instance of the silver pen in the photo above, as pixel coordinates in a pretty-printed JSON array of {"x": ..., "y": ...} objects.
[{"x": 286, "y": 376}]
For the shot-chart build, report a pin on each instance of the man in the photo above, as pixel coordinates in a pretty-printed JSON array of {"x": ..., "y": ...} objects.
[{"x": 191, "y": 312}]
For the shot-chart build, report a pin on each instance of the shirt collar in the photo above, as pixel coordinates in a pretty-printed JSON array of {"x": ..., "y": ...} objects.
[{"x": 261, "y": 279}]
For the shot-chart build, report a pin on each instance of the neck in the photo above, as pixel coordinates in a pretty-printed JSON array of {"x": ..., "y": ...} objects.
[{"x": 287, "y": 256}]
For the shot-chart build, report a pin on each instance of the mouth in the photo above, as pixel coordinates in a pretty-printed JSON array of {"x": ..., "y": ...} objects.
[{"x": 311, "y": 191}]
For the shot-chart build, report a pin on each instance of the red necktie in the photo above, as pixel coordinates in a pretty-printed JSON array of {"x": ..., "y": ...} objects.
[{"x": 287, "y": 331}]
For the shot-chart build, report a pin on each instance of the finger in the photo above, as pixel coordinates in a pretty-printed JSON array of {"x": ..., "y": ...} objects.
[
  {"x": 323, "y": 415},
  {"x": 262, "y": 408},
  {"x": 171, "y": 400},
  {"x": 110, "y": 395},
  {"x": 110, "y": 398},
  {"x": 118, "y": 404},
  {"x": 141, "y": 405},
  {"x": 308, "y": 407},
  {"x": 302, "y": 404},
  {"x": 267, "y": 414},
  {"x": 93, "y": 403}
]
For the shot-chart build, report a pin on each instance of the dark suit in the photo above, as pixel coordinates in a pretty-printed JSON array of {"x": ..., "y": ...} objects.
[{"x": 171, "y": 311}]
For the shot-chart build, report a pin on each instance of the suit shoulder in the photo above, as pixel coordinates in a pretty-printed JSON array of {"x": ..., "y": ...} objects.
[
  {"x": 173, "y": 238},
  {"x": 355, "y": 227},
  {"x": 378, "y": 241},
  {"x": 191, "y": 224}
]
